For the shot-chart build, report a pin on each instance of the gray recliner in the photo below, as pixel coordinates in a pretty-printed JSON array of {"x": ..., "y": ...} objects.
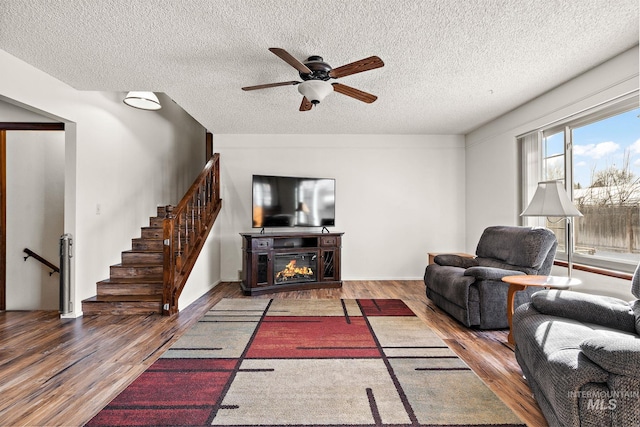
[
  {"x": 580, "y": 354},
  {"x": 471, "y": 289}
]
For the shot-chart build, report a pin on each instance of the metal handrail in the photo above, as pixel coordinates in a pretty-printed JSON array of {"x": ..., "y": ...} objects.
[{"x": 30, "y": 253}]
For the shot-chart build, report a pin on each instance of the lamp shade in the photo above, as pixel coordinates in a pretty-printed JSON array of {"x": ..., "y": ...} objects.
[
  {"x": 551, "y": 199},
  {"x": 142, "y": 100},
  {"x": 315, "y": 90}
]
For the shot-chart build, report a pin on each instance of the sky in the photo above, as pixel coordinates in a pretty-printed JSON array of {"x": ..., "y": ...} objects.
[{"x": 603, "y": 144}]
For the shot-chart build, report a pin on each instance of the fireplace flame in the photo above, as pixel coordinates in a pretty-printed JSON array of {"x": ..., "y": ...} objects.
[{"x": 290, "y": 271}]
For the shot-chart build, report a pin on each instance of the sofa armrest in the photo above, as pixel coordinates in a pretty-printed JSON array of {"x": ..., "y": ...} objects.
[
  {"x": 490, "y": 273},
  {"x": 453, "y": 260},
  {"x": 600, "y": 310},
  {"x": 617, "y": 355}
]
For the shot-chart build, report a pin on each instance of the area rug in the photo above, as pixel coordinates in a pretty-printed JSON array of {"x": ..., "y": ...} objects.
[{"x": 261, "y": 362}]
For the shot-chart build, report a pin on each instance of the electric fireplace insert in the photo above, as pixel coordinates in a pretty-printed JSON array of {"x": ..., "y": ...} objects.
[{"x": 295, "y": 268}]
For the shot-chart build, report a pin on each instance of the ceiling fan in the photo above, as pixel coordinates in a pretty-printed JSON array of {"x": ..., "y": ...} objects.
[{"x": 316, "y": 74}]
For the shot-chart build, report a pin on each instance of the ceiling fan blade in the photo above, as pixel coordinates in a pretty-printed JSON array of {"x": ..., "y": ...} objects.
[
  {"x": 354, "y": 93},
  {"x": 286, "y": 57},
  {"x": 270, "y": 85},
  {"x": 366, "y": 64},
  {"x": 306, "y": 104}
]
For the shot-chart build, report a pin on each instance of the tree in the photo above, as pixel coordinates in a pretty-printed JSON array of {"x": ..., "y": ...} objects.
[{"x": 613, "y": 186}]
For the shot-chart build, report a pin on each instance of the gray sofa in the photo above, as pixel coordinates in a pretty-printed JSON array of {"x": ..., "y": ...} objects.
[
  {"x": 471, "y": 289},
  {"x": 580, "y": 354}
]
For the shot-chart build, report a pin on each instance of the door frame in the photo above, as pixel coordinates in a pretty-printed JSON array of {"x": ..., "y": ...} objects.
[{"x": 4, "y": 127}]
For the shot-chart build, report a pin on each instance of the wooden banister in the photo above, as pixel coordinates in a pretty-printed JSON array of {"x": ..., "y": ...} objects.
[{"x": 185, "y": 229}]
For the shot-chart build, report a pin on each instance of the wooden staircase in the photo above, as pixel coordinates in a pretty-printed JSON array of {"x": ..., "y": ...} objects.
[
  {"x": 135, "y": 285},
  {"x": 152, "y": 275}
]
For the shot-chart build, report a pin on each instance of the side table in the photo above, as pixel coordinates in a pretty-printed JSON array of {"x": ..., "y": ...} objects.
[{"x": 522, "y": 281}]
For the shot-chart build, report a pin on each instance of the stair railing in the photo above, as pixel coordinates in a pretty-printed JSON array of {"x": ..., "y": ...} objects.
[{"x": 185, "y": 229}]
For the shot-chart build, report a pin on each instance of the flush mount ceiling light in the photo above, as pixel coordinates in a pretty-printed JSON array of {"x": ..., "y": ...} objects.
[
  {"x": 315, "y": 90},
  {"x": 142, "y": 100}
]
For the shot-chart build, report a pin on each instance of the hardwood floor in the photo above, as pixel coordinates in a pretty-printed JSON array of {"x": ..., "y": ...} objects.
[{"x": 61, "y": 372}]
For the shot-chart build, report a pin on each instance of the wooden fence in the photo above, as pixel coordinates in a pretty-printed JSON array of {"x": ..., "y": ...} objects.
[{"x": 608, "y": 228}]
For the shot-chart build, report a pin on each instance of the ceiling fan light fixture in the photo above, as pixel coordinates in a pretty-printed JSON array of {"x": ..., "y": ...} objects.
[
  {"x": 142, "y": 100},
  {"x": 315, "y": 90}
]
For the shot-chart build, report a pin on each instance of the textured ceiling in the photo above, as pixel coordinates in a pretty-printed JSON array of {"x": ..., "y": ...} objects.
[{"x": 450, "y": 66}]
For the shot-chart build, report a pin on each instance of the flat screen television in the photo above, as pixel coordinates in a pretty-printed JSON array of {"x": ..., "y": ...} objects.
[{"x": 286, "y": 201}]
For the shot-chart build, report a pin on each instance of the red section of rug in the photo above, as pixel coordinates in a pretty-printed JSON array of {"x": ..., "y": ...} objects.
[
  {"x": 312, "y": 337},
  {"x": 152, "y": 417},
  {"x": 384, "y": 307},
  {"x": 171, "y": 392}
]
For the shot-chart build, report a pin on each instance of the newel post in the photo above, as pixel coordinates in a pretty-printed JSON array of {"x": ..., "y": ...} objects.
[
  {"x": 169, "y": 305},
  {"x": 216, "y": 176}
]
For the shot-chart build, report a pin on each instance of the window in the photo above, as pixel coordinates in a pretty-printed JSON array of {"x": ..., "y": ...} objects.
[{"x": 597, "y": 154}]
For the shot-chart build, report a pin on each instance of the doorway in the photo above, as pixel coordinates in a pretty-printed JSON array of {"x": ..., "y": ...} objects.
[{"x": 31, "y": 213}]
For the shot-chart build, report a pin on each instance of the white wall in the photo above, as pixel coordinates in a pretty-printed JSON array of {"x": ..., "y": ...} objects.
[
  {"x": 398, "y": 197},
  {"x": 206, "y": 271},
  {"x": 10, "y": 113},
  {"x": 35, "y": 217},
  {"x": 122, "y": 160},
  {"x": 492, "y": 172}
]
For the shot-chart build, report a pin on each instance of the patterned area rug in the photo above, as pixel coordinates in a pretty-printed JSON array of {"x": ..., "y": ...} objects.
[{"x": 260, "y": 362}]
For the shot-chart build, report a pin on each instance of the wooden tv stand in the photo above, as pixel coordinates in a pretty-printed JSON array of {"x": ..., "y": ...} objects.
[{"x": 277, "y": 262}]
